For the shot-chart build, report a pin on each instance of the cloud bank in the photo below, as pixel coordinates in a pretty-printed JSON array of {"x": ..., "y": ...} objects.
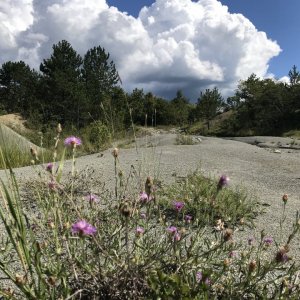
[{"x": 171, "y": 45}]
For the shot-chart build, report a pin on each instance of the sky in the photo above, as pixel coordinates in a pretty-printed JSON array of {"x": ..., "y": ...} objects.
[{"x": 164, "y": 45}]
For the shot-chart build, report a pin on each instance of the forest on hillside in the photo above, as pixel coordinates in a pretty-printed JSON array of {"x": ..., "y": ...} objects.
[{"x": 77, "y": 91}]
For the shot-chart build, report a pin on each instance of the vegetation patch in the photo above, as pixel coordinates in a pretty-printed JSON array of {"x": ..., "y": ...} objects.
[{"x": 70, "y": 237}]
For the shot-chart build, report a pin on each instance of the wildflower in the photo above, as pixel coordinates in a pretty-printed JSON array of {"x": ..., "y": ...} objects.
[
  {"x": 178, "y": 205},
  {"x": 177, "y": 237},
  {"x": 20, "y": 280},
  {"x": 149, "y": 185},
  {"x": 268, "y": 241},
  {"x": 228, "y": 234},
  {"x": 92, "y": 198},
  {"x": 172, "y": 229},
  {"x": 34, "y": 153},
  {"x": 226, "y": 262},
  {"x": 207, "y": 281},
  {"x": 83, "y": 228},
  {"x": 49, "y": 167},
  {"x": 281, "y": 255},
  {"x": 143, "y": 216},
  {"x": 251, "y": 241},
  {"x": 144, "y": 197},
  {"x": 125, "y": 209},
  {"x": 8, "y": 292},
  {"x": 140, "y": 231},
  {"x": 52, "y": 185},
  {"x": 252, "y": 266},
  {"x": 72, "y": 141},
  {"x": 115, "y": 152},
  {"x": 223, "y": 181},
  {"x": 285, "y": 198},
  {"x": 219, "y": 225},
  {"x": 199, "y": 276},
  {"x": 188, "y": 218}
]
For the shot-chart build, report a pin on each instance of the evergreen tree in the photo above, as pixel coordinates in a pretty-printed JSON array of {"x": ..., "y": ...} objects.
[
  {"x": 180, "y": 109},
  {"x": 100, "y": 76},
  {"x": 294, "y": 76},
  {"x": 209, "y": 104},
  {"x": 18, "y": 88},
  {"x": 61, "y": 85}
]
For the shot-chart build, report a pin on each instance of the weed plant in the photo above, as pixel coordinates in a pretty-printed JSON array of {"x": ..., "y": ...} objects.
[{"x": 70, "y": 237}]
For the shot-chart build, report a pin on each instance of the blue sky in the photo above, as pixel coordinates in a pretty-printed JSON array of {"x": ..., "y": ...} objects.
[
  {"x": 161, "y": 46},
  {"x": 279, "y": 19}
]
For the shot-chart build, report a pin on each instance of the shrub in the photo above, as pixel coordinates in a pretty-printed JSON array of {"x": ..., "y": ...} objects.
[{"x": 98, "y": 135}]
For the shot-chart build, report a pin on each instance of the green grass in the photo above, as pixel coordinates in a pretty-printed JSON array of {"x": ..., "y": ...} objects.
[
  {"x": 292, "y": 134},
  {"x": 184, "y": 139},
  {"x": 204, "y": 202}
]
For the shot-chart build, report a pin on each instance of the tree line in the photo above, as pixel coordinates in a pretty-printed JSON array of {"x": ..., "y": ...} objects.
[{"x": 76, "y": 91}]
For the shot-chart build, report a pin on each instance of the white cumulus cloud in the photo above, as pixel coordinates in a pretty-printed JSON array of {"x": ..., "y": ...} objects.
[{"x": 171, "y": 45}]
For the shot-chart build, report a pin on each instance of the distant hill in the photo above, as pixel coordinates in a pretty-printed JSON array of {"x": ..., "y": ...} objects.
[{"x": 9, "y": 137}]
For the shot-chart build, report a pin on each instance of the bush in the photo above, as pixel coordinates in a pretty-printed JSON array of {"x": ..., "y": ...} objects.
[{"x": 98, "y": 135}]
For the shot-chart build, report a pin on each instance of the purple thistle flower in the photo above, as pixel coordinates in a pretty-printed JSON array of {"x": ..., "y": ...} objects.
[
  {"x": 281, "y": 255},
  {"x": 52, "y": 185},
  {"x": 92, "y": 198},
  {"x": 199, "y": 276},
  {"x": 144, "y": 197},
  {"x": 72, "y": 141},
  {"x": 140, "y": 230},
  {"x": 49, "y": 167},
  {"x": 177, "y": 237},
  {"x": 207, "y": 281},
  {"x": 268, "y": 241},
  {"x": 83, "y": 228},
  {"x": 172, "y": 229},
  {"x": 188, "y": 218},
  {"x": 178, "y": 205},
  {"x": 223, "y": 181}
]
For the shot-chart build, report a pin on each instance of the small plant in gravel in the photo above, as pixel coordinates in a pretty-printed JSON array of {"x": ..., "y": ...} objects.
[
  {"x": 184, "y": 139},
  {"x": 208, "y": 202},
  {"x": 70, "y": 237}
]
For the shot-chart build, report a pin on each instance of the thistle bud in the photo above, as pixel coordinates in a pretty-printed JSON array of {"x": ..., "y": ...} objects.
[
  {"x": 52, "y": 280},
  {"x": 58, "y": 128},
  {"x": 228, "y": 234},
  {"x": 34, "y": 153},
  {"x": 8, "y": 292},
  {"x": 67, "y": 226},
  {"x": 125, "y": 209},
  {"x": 252, "y": 266},
  {"x": 51, "y": 225},
  {"x": 281, "y": 255},
  {"x": 148, "y": 185},
  {"x": 285, "y": 198},
  {"x": 226, "y": 262},
  {"x": 20, "y": 280},
  {"x": 115, "y": 152}
]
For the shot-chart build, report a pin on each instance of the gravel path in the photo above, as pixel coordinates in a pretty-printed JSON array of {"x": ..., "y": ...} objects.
[{"x": 261, "y": 171}]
